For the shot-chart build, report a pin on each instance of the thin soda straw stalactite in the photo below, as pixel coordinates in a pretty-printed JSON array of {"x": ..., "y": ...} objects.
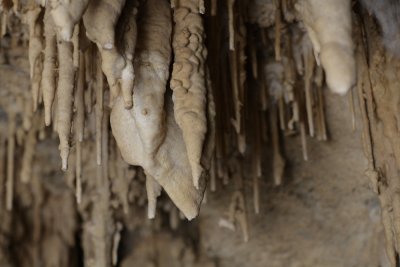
[{"x": 10, "y": 160}]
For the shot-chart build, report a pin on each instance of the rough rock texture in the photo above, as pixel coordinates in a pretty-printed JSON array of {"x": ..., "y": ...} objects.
[{"x": 387, "y": 13}]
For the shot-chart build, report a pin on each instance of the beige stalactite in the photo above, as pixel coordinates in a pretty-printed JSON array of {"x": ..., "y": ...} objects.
[
  {"x": 303, "y": 135},
  {"x": 3, "y": 166},
  {"x": 241, "y": 76},
  {"x": 308, "y": 73},
  {"x": 328, "y": 24},
  {"x": 48, "y": 83},
  {"x": 256, "y": 157},
  {"x": 80, "y": 99},
  {"x": 78, "y": 172},
  {"x": 278, "y": 26},
  {"x": 35, "y": 25},
  {"x": 116, "y": 241},
  {"x": 321, "y": 105},
  {"x": 105, "y": 145},
  {"x": 65, "y": 90},
  {"x": 210, "y": 142},
  {"x": 90, "y": 75},
  {"x": 352, "y": 109},
  {"x": 99, "y": 111},
  {"x": 102, "y": 227},
  {"x": 188, "y": 81},
  {"x": 153, "y": 191},
  {"x": 117, "y": 66},
  {"x": 10, "y": 160},
  {"x": 254, "y": 63},
  {"x": 213, "y": 175},
  {"x": 75, "y": 44},
  {"x": 231, "y": 22},
  {"x": 281, "y": 114},
  {"x": 236, "y": 121},
  {"x": 79, "y": 124},
  {"x": 278, "y": 160}
]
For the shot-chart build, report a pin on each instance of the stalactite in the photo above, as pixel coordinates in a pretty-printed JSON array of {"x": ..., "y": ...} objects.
[
  {"x": 304, "y": 140},
  {"x": 80, "y": 100},
  {"x": 278, "y": 29},
  {"x": 116, "y": 66},
  {"x": 102, "y": 223},
  {"x": 79, "y": 124},
  {"x": 231, "y": 6},
  {"x": 329, "y": 26},
  {"x": 75, "y": 45},
  {"x": 308, "y": 73},
  {"x": 352, "y": 110},
  {"x": 32, "y": 18},
  {"x": 99, "y": 111},
  {"x": 65, "y": 90},
  {"x": 10, "y": 160},
  {"x": 153, "y": 191},
  {"x": 321, "y": 108},
  {"x": 78, "y": 170},
  {"x": 105, "y": 144},
  {"x": 48, "y": 83},
  {"x": 236, "y": 121},
  {"x": 188, "y": 82},
  {"x": 241, "y": 72},
  {"x": 278, "y": 160},
  {"x": 3, "y": 166},
  {"x": 3, "y": 24},
  {"x": 116, "y": 241}
]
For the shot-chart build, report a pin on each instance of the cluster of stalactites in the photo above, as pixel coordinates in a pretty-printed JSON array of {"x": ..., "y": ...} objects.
[
  {"x": 73, "y": 44},
  {"x": 86, "y": 59},
  {"x": 83, "y": 54},
  {"x": 286, "y": 57}
]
